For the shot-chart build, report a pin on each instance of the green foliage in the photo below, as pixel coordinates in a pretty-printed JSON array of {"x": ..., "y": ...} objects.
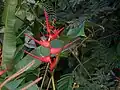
[
  {"x": 1, "y": 11},
  {"x": 13, "y": 84},
  {"x": 38, "y": 51},
  {"x": 65, "y": 83},
  {"x": 9, "y": 44},
  {"x": 78, "y": 31},
  {"x": 90, "y": 61},
  {"x": 57, "y": 43},
  {"x": 34, "y": 87},
  {"x": 118, "y": 49}
]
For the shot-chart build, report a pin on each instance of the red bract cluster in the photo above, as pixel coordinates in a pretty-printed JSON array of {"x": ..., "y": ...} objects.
[
  {"x": 3, "y": 71},
  {"x": 52, "y": 33}
]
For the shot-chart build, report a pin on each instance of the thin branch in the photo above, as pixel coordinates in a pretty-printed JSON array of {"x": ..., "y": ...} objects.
[
  {"x": 49, "y": 84},
  {"x": 81, "y": 64},
  {"x": 83, "y": 41},
  {"x": 76, "y": 68},
  {"x": 108, "y": 35},
  {"x": 18, "y": 73},
  {"x": 31, "y": 84},
  {"x": 71, "y": 43},
  {"x": 53, "y": 83},
  {"x": 44, "y": 76}
]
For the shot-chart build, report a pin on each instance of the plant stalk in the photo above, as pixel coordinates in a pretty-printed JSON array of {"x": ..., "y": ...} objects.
[
  {"x": 53, "y": 82},
  {"x": 44, "y": 76}
]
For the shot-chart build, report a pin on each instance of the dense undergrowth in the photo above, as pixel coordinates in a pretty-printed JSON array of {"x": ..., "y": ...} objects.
[{"x": 91, "y": 63}]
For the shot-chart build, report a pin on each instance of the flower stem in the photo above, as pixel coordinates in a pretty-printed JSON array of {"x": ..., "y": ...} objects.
[
  {"x": 44, "y": 76},
  {"x": 49, "y": 84},
  {"x": 18, "y": 73},
  {"x": 53, "y": 83},
  {"x": 31, "y": 84}
]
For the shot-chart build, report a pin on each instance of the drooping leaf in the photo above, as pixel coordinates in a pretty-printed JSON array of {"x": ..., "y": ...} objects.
[
  {"x": 40, "y": 51},
  {"x": 78, "y": 31},
  {"x": 14, "y": 84},
  {"x": 34, "y": 87},
  {"x": 9, "y": 43}
]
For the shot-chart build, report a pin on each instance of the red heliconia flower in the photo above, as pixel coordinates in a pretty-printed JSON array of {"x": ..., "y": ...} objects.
[
  {"x": 46, "y": 59},
  {"x": 58, "y": 31},
  {"x": 3, "y": 71},
  {"x": 51, "y": 27},
  {"x": 55, "y": 50},
  {"x": 53, "y": 64},
  {"x": 52, "y": 32},
  {"x": 47, "y": 21},
  {"x": 44, "y": 43},
  {"x": 55, "y": 34}
]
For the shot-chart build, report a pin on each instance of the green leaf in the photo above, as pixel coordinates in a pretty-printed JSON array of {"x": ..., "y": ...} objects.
[
  {"x": 9, "y": 43},
  {"x": 39, "y": 51},
  {"x": 78, "y": 31},
  {"x": 43, "y": 51},
  {"x": 14, "y": 84},
  {"x": 20, "y": 14},
  {"x": 57, "y": 43},
  {"x": 65, "y": 83},
  {"x": 19, "y": 55},
  {"x": 64, "y": 54},
  {"x": 65, "y": 38},
  {"x": 34, "y": 87}
]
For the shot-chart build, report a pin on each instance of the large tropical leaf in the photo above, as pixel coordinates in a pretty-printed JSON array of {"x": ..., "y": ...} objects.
[
  {"x": 14, "y": 84},
  {"x": 39, "y": 51},
  {"x": 9, "y": 44},
  {"x": 34, "y": 87}
]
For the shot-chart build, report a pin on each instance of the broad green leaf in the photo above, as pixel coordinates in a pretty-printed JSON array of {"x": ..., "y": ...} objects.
[
  {"x": 14, "y": 84},
  {"x": 19, "y": 55},
  {"x": 4, "y": 88},
  {"x": 39, "y": 51},
  {"x": 43, "y": 51},
  {"x": 34, "y": 87},
  {"x": 1, "y": 80},
  {"x": 20, "y": 14},
  {"x": 9, "y": 43},
  {"x": 65, "y": 38},
  {"x": 57, "y": 43},
  {"x": 78, "y": 31}
]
